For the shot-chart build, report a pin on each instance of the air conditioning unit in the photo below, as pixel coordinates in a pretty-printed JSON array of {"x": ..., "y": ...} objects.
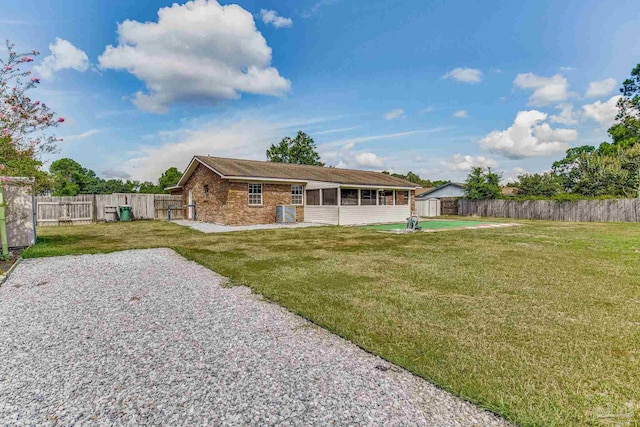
[{"x": 285, "y": 214}]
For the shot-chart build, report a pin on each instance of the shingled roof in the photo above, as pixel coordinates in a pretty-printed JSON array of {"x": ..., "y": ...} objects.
[{"x": 234, "y": 168}]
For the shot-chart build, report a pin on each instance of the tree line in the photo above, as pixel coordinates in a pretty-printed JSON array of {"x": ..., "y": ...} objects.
[
  {"x": 611, "y": 169},
  {"x": 68, "y": 178}
]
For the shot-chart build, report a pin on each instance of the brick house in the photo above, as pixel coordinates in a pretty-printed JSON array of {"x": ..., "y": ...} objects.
[{"x": 241, "y": 192}]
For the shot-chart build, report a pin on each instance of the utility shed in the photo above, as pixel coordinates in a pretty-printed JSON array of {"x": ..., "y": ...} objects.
[{"x": 19, "y": 212}]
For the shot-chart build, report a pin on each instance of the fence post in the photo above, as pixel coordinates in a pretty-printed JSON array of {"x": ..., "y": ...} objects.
[{"x": 3, "y": 227}]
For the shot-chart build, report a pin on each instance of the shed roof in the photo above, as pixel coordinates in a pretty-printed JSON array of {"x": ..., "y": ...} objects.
[
  {"x": 254, "y": 169},
  {"x": 433, "y": 190}
]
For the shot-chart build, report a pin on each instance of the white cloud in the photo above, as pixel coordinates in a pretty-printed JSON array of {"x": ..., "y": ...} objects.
[
  {"x": 466, "y": 163},
  {"x": 601, "y": 88},
  {"x": 316, "y": 7},
  {"x": 358, "y": 140},
  {"x": 428, "y": 110},
  {"x": 116, "y": 173},
  {"x": 566, "y": 68},
  {"x": 529, "y": 136},
  {"x": 461, "y": 114},
  {"x": 348, "y": 158},
  {"x": 368, "y": 160},
  {"x": 241, "y": 138},
  {"x": 338, "y": 130},
  {"x": 566, "y": 116},
  {"x": 394, "y": 114},
  {"x": 63, "y": 56},
  {"x": 512, "y": 175},
  {"x": 546, "y": 90},
  {"x": 198, "y": 52},
  {"x": 603, "y": 112},
  {"x": 465, "y": 75},
  {"x": 82, "y": 135},
  {"x": 272, "y": 17}
]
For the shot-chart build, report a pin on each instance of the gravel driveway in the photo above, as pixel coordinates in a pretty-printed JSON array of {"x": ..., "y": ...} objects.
[{"x": 147, "y": 337}]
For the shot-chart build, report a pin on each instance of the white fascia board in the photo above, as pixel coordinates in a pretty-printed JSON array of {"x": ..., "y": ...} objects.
[
  {"x": 378, "y": 187},
  {"x": 259, "y": 179}
]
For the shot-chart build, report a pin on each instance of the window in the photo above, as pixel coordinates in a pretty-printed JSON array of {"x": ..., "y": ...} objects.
[
  {"x": 255, "y": 194},
  {"x": 367, "y": 197},
  {"x": 313, "y": 197},
  {"x": 349, "y": 197},
  {"x": 296, "y": 195},
  {"x": 206, "y": 191},
  {"x": 330, "y": 197},
  {"x": 386, "y": 197},
  {"x": 402, "y": 197}
]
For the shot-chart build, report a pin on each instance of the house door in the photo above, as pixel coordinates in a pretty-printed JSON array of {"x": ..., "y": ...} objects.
[{"x": 190, "y": 207}]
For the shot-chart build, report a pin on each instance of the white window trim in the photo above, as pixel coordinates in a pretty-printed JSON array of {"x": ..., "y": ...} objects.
[
  {"x": 249, "y": 194},
  {"x": 301, "y": 195}
]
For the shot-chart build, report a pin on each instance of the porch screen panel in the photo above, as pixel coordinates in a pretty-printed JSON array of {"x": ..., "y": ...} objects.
[
  {"x": 386, "y": 197},
  {"x": 330, "y": 197},
  {"x": 367, "y": 197},
  {"x": 349, "y": 197},
  {"x": 313, "y": 197}
]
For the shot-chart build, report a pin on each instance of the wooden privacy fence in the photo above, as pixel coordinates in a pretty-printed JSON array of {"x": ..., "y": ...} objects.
[
  {"x": 164, "y": 201},
  {"x": 609, "y": 210},
  {"x": 88, "y": 208}
]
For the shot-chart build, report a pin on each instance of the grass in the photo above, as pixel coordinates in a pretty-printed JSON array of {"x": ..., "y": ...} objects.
[
  {"x": 538, "y": 323},
  {"x": 427, "y": 225}
]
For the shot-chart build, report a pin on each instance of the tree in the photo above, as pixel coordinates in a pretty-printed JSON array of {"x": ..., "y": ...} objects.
[
  {"x": 150, "y": 188},
  {"x": 626, "y": 131},
  {"x": 169, "y": 178},
  {"x": 300, "y": 150},
  {"x": 70, "y": 178},
  {"x": 14, "y": 162},
  {"x": 544, "y": 184},
  {"x": 482, "y": 184},
  {"x": 22, "y": 119},
  {"x": 412, "y": 177},
  {"x": 566, "y": 168}
]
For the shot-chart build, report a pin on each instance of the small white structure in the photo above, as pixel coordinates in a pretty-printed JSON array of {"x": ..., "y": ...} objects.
[
  {"x": 429, "y": 207},
  {"x": 18, "y": 197}
]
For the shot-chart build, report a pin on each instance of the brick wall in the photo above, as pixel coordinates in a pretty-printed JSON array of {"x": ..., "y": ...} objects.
[
  {"x": 228, "y": 202},
  {"x": 412, "y": 196}
]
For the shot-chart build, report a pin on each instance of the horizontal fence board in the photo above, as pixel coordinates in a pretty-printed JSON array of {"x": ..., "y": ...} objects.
[{"x": 607, "y": 210}]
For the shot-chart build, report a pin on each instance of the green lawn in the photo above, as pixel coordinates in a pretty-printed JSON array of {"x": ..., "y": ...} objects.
[
  {"x": 539, "y": 323},
  {"x": 429, "y": 224}
]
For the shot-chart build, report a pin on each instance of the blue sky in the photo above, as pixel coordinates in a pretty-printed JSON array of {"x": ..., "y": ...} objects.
[{"x": 435, "y": 87}]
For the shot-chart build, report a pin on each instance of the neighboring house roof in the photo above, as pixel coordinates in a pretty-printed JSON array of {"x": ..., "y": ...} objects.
[
  {"x": 509, "y": 191},
  {"x": 433, "y": 190},
  {"x": 256, "y": 170},
  {"x": 422, "y": 190}
]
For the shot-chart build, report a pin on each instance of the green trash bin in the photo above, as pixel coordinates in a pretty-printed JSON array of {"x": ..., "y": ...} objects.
[{"x": 125, "y": 212}]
